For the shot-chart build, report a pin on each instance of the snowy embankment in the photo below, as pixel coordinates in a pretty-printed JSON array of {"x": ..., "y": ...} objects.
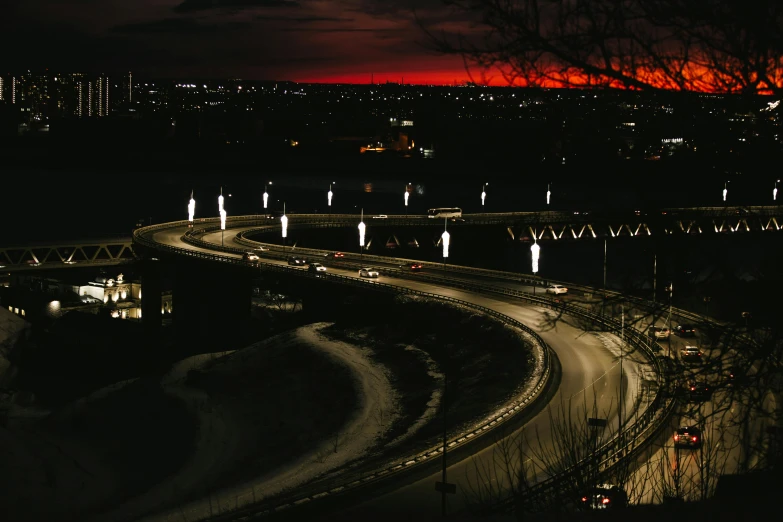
[{"x": 223, "y": 432}]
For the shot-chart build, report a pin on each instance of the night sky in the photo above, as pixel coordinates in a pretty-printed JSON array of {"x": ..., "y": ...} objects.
[{"x": 299, "y": 40}]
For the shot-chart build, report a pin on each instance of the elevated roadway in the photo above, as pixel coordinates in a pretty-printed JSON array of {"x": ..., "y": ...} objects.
[{"x": 589, "y": 377}]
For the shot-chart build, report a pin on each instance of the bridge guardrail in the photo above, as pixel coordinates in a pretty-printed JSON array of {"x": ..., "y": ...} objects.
[{"x": 640, "y": 432}]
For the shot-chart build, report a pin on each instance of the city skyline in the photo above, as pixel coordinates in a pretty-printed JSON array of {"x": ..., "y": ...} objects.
[{"x": 349, "y": 41}]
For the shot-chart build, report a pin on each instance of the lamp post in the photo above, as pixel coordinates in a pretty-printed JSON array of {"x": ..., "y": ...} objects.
[
  {"x": 330, "y": 194},
  {"x": 535, "y": 253},
  {"x": 548, "y": 193},
  {"x": 266, "y": 196},
  {"x": 670, "y": 288},
  {"x": 220, "y": 200},
  {"x": 222, "y": 225},
  {"x": 725, "y": 190},
  {"x": 284, "y": 226},
  {"x": 361, "y": 236},
  {"x": 406, "y": 195},
  {"x": 622, "y": 351},
  {"x": 191, "y": 209},
  {"x": 484, "y": 193},
  {"x": 445, "y": 239},
  {"x": 775, "y": 191},
  {"x": 603, "y": 298}
]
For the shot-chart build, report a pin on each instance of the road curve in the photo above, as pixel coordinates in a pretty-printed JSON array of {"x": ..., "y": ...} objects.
[{"x": 590, "y": 376}]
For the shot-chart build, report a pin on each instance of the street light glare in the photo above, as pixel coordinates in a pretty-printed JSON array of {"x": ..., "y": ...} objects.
[
  {"x": 361, "y": 230},
  {"x": 191, "y": 208},
  {"x": 535, "y": 251}
]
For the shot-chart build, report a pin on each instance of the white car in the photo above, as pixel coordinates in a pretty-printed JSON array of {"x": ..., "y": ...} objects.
[
  {"x": 316, "y": 267},
  {"x": 368, "y": 272},
  {"x": 556, "y": 289},
  {"x": 380, "y": 216}
]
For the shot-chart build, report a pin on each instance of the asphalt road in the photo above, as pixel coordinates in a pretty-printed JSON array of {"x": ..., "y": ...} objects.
[{"x": 590, "y": 379}]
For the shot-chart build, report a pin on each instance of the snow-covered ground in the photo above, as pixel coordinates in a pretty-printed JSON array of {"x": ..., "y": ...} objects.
[{"x": 364, "y": 428}]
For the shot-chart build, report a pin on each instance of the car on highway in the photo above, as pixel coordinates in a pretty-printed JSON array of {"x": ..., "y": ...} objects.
[
  {"x": 413, "y": 267},
  {"x": 685, "y": 330},
  {"x": 734, "y": 376},
  {"x": 604, "y": 496},
  {"x": 316, "y": 267},
  {"x": 658, "y": 332},
  {"x": 369, "y": 272},
  {"x": 380, "y": 216},
  {"x": 251, "y": 257},
  {"x": 260, "y": 249},
  {"x": 297, "y": 261},
  {"x": 687, "y": 437},
  {"x": 691, "y": 354},
  {"x": 697, "y": 390},
  {"x": 334, "y": 255},
  {"x": 556, "y": 289}
]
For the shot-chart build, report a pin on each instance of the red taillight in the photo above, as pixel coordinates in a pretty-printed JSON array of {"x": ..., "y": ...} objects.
[
  {"x": 604, "y": 500},
  {"x": 693, "y": 388},
  {"x": 676, "y": 437},
  {"x": 584, "y": 499},
  {"x": 694, "y": 438}
]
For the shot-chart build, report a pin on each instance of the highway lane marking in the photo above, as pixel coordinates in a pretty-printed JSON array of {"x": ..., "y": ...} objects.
[{"x": 595, "y": 381}]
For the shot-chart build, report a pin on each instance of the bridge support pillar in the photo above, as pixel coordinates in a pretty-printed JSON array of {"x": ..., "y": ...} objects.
[
  {"x": 151, "y": 289},
  {"x": 211, "y": 304}
]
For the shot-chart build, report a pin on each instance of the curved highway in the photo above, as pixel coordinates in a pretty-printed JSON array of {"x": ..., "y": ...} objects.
[{"x": 590, "y": 376}]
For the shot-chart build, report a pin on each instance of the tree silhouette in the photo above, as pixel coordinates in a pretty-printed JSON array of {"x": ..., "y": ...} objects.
[{"x": 719, "y": 46}]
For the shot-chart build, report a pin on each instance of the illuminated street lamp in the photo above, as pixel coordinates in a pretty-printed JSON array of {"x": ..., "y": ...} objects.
[
  {"x": 535, "y": 253},
  {"x": 330, "y": 194},
  {"x": 222, "y": 225},
  {"x": 725, "y": 190},
  {"x": 220, "y": 200},
  {"x": 406, "y": 195},
  {"x": 191, "y": 209},
  {"x": 445, "y": 239},
  {"x": 484, "y": 193},
  {"x": 361, "y": 235},
  {"x": 548, "y": 193},
  {"x": 266, "y": 195},
  {"x": 775, "y": 191},
  {"x": 284, "y": 223}
]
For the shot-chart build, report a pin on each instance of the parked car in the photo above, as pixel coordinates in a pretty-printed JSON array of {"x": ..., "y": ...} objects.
[
  {"x": 251, "y": 257},
  {"x": 316, "y": 267},
  {"x": 605, "y": 496},
  {"x": 297, "y": 261},
  {"x": 556, "y": 289},
  {"x": 687, "y": 437},
  {"x": 368, "y": 272},
  {"x": 414, "y": 267},
  {"x": 658, "y": 332},
  {"x": 685, "y": 330}
]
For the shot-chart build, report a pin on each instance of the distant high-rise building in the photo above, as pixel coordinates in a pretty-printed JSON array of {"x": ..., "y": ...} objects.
[
  {"x": 2, "y": 89},
  {"x": 13, "y": 89},
  {"x": 102, "y": 96}
]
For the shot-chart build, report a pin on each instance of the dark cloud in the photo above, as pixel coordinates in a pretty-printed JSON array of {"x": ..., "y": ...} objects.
[
  {"x": 379, "y": 31},
  {"x": 271, "y": 18},
  {"x": 172, "y": 25},
  {"x": 190, "y": 6}
]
